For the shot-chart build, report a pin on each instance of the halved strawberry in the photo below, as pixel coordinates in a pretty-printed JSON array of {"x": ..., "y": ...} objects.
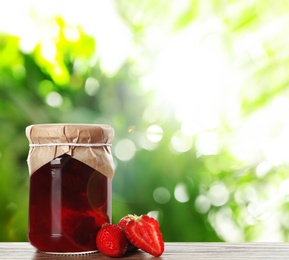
[
  {"x": 144, "y": 233},
  {"x": 124, "y": 221}
]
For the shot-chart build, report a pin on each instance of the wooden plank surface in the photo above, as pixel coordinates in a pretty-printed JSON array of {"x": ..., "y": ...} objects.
[{"x": 172, "y": 251}]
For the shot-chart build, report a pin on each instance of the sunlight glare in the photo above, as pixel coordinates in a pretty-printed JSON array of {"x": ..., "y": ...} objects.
[
  {"x": 190, "y": 75},
  {"x": 91, "y": 15},
  {"x": 276, "y": 150},
  {"x": 284, "y": 187},
  {"x": 150, "y": 115},
  {"x": 208, "y": 143},
  {"x": 71, "y": 33},
  {"x": 48, "y": 51},
  {"x": 190, "y": 127},
  {"x": 263, "y": 169}
]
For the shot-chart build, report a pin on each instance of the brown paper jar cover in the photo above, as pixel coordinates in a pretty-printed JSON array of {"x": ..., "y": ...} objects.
[{"x": 92, "y": 145}]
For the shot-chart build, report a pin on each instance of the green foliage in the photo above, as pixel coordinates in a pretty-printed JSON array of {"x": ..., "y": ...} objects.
[{"x": 196, "y": 196}]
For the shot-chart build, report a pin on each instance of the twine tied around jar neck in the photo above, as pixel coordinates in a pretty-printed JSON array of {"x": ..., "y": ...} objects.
[{"x": 69, "y": 144}]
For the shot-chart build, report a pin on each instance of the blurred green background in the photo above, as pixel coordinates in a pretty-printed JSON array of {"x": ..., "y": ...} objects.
[{"x": 197, "y": 92}]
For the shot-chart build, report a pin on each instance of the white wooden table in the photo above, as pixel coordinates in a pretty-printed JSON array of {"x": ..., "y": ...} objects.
[{"x": 172, "y": 251}]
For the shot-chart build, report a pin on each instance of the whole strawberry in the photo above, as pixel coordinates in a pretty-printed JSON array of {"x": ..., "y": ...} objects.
[
  {"x": 111, "y": 240},
  {"x": 144, "y": 233}
]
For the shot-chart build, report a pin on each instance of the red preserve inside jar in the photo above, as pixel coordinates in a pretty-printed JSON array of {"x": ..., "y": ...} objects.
[{"x": 68, "y": 203}]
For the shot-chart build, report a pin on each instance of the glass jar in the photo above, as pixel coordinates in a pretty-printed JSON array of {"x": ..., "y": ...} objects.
[{"x": 70, "y": 170}]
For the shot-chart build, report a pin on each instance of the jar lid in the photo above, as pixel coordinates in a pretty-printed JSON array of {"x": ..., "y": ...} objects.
[{"x": 88, "y": 143}]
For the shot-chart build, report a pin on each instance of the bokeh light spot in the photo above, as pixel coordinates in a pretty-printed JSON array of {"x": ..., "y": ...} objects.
[
  {"x": 48, "y": 52},
  {"x": 145, "y": 143},
  {"x": 91, "y": 86},
  {"x": 202, "y": 204},
  {"x": 218, "y": 195},
  {"x": 181, "y": 193},
  {"x": 161, "y": 195},
  {"x": 54, "y": 99},
  {"x": 180, "y": 142},
  {"x": 153, "y": 214},
  {"x": 125, "y": 150},
  {"x": 155, "y": 133},
  {"x": 258, "y": 210}
]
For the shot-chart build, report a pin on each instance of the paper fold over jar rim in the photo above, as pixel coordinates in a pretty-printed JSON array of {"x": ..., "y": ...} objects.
[{"x": 88, "y": 143}]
